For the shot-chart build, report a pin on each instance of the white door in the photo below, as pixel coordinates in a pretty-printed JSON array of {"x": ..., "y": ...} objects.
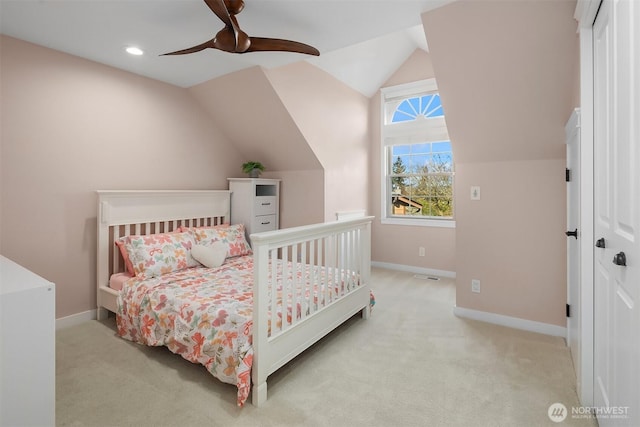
[
  {"x": 573, "y": 248},
  {"x": 617, "y": 211}
]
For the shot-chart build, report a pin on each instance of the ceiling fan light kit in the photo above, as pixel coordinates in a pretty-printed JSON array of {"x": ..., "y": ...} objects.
[{"x": 232, "y": 39}]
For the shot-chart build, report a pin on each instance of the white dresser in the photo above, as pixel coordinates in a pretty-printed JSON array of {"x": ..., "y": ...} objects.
[
  {"x": 255, "y": 202},
  {"x": 28, "y": 348}
]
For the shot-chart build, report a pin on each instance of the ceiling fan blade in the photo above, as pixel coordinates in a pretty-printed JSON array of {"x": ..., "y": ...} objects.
[
  {"x": 220, "y": 9},
  {"x": 261, "y": 44},
  {"x": 233, "y": 40},
  {"x": 194, "y": 49}
]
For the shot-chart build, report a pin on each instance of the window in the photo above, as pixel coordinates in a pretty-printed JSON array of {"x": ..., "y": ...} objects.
[{"x": 418, "y": 167}]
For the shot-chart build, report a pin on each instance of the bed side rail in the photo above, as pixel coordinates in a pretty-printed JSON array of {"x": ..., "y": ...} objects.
[{"x": 325, "y": 271}]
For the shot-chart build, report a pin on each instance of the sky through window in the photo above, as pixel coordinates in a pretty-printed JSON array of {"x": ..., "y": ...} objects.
[{"x": 420, "y": 106}]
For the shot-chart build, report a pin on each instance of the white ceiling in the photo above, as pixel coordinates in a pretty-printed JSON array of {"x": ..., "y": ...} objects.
[{"x": 361, "y": 42}]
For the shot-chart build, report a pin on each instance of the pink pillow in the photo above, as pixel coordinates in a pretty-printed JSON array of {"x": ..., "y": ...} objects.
[
  {"x": 125, "y": 255},
  {"x": 157, "y": 254},
  {"x": 232, "y": 236}
]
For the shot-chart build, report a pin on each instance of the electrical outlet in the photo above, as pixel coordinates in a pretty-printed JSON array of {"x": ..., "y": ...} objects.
[
  {"x": 421, "y": 251},
  {"x": 475, "y": 286}
]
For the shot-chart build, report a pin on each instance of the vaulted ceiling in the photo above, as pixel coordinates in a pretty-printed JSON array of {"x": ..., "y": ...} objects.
[{"x": 361, "y": 41}]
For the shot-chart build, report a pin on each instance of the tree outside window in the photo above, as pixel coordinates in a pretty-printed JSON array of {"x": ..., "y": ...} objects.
[{"x": 421, "y": 179}]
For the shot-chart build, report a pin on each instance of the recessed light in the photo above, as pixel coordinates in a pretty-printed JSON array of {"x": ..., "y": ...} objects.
[{"x": 134, "y": 50}]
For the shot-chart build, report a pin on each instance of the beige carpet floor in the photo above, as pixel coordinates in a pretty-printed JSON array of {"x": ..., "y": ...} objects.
[{"x": 413, "y": 363}]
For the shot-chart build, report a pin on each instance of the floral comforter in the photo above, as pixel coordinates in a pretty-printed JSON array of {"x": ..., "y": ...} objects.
[{"x": 204, "y": 315}]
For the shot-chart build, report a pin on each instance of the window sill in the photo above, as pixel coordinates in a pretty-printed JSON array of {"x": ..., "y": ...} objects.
[{"x": 441, "y": 223}]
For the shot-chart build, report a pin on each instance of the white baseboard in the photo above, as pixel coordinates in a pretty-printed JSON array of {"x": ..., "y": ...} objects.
[
  {"x": 75, "y": 319},
  {"x": 511, "y": 322},
  {"x": 415, "y": 270}
]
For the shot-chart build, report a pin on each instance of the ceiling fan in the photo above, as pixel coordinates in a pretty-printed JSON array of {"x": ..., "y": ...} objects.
[{"x": 232, "y": 39}]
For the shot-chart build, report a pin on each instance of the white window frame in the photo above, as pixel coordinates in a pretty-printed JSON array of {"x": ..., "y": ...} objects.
[{"x": 407, "y": 133}]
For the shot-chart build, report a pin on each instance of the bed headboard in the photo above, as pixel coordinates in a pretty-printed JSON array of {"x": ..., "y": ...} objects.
[{"x": 122, "y": 213}]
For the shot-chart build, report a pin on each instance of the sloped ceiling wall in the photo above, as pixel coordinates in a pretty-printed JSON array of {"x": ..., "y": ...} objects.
[
  {"x": 506, "y": 70},
  {"x": 334, "y": 121},
  {"x": 296, "y": 118},
  {"x": 249, "y": 112}
]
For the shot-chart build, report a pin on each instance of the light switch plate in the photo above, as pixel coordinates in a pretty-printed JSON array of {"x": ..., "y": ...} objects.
[{"x": 475, "y": 193}]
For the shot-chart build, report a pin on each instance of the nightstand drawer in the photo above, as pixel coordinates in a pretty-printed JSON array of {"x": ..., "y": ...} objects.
[
  {"x": 264, "y": 223},
  {"x": 264, "y": 205}
]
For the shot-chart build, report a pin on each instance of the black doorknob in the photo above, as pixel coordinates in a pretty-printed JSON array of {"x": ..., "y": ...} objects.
[
  {"x": 573, "y": 233},
  {"x": 620, "y": 259},
  {"x": 600, "y": 243}
]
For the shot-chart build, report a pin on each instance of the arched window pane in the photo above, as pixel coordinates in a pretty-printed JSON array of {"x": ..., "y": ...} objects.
[
  {"x": 434, "y": 109},
  {"x": 420, "y": 106},
  {"x": 405, "y": 112},
  {"x": 415, "y": 106}
]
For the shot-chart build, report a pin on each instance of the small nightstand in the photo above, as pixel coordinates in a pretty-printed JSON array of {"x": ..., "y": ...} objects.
[{"x": 255, "y": 202}]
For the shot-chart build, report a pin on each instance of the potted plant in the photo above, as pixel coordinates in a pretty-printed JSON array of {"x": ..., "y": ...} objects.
[{"x": 254, "y": 169}]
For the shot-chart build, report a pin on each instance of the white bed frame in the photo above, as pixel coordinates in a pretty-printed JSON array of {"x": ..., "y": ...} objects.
[{"x": 335, "y": 246}]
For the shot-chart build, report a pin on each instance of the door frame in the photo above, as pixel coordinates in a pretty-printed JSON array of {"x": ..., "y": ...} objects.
[
  {"x": 574, "y": 316},
  {"x": 585, "y": 14}
]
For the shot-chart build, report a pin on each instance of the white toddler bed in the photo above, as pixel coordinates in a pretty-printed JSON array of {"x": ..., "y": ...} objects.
[{"x": 321, "y": 279}]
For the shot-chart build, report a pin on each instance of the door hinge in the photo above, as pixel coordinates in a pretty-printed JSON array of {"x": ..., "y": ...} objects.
[
  {"x": 567, "y": 174},
  {"x": 568, "y": 310}
]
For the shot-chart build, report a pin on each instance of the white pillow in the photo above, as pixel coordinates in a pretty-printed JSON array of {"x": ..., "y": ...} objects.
[{"x": 210, "y": 256}]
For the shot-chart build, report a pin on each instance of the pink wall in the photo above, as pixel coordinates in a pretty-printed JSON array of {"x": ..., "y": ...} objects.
[
  {"x": 507, "y": 80},
  {"x": 246, "y": 107},
  {"x": 512, "y": 239},
  {"x": 507, "y": 76},
  {"x": 334, "y": 121},
  {"x": 70, "y": 127},
  {"x": 280, "y": 118},
  {"x": 398, "y": 244},
  {"x": 301, "y": 196}
]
